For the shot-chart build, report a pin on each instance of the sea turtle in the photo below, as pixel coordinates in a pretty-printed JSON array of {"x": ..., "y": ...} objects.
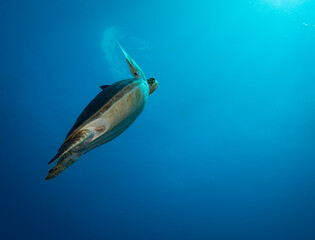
[{"x": 110, "y": 113}]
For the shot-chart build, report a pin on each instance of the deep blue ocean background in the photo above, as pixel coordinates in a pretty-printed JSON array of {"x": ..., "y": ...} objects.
[{"x": 223, "y": 150}]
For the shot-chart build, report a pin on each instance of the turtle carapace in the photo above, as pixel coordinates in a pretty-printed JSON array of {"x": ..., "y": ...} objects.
[{"x": 109, "y": 114}]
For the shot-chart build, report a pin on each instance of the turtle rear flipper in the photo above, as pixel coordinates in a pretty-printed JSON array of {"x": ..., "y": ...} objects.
[
  {"x": 63, "y": 162},
  {"x": 77, "y": 139}
]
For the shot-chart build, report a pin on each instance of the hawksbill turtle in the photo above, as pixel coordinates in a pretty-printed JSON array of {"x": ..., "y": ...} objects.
[{"x": 109, "y": 114}]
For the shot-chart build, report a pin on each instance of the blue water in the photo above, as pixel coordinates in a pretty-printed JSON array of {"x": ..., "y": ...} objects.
[{"x": 223, "y": 150}]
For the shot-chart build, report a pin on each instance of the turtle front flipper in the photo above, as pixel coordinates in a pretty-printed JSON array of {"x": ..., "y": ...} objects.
[
  {"x": 72, "y": 142},
  {"x": 133, "y": 66},
  {"x": 63, "y": 162}
]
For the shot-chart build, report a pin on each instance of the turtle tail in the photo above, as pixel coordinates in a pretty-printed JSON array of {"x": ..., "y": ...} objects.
[{"x": 63, "y": 162}]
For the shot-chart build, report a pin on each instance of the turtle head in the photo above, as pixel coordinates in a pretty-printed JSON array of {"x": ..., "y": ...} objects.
[{"x": 153, "y": 84}]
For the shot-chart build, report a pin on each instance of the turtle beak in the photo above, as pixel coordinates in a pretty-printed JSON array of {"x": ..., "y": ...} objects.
[{"x": 153, "y": 86}]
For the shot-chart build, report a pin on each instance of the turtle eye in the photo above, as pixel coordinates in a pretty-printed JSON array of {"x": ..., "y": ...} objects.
[{"x": 151, "y": 81}]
